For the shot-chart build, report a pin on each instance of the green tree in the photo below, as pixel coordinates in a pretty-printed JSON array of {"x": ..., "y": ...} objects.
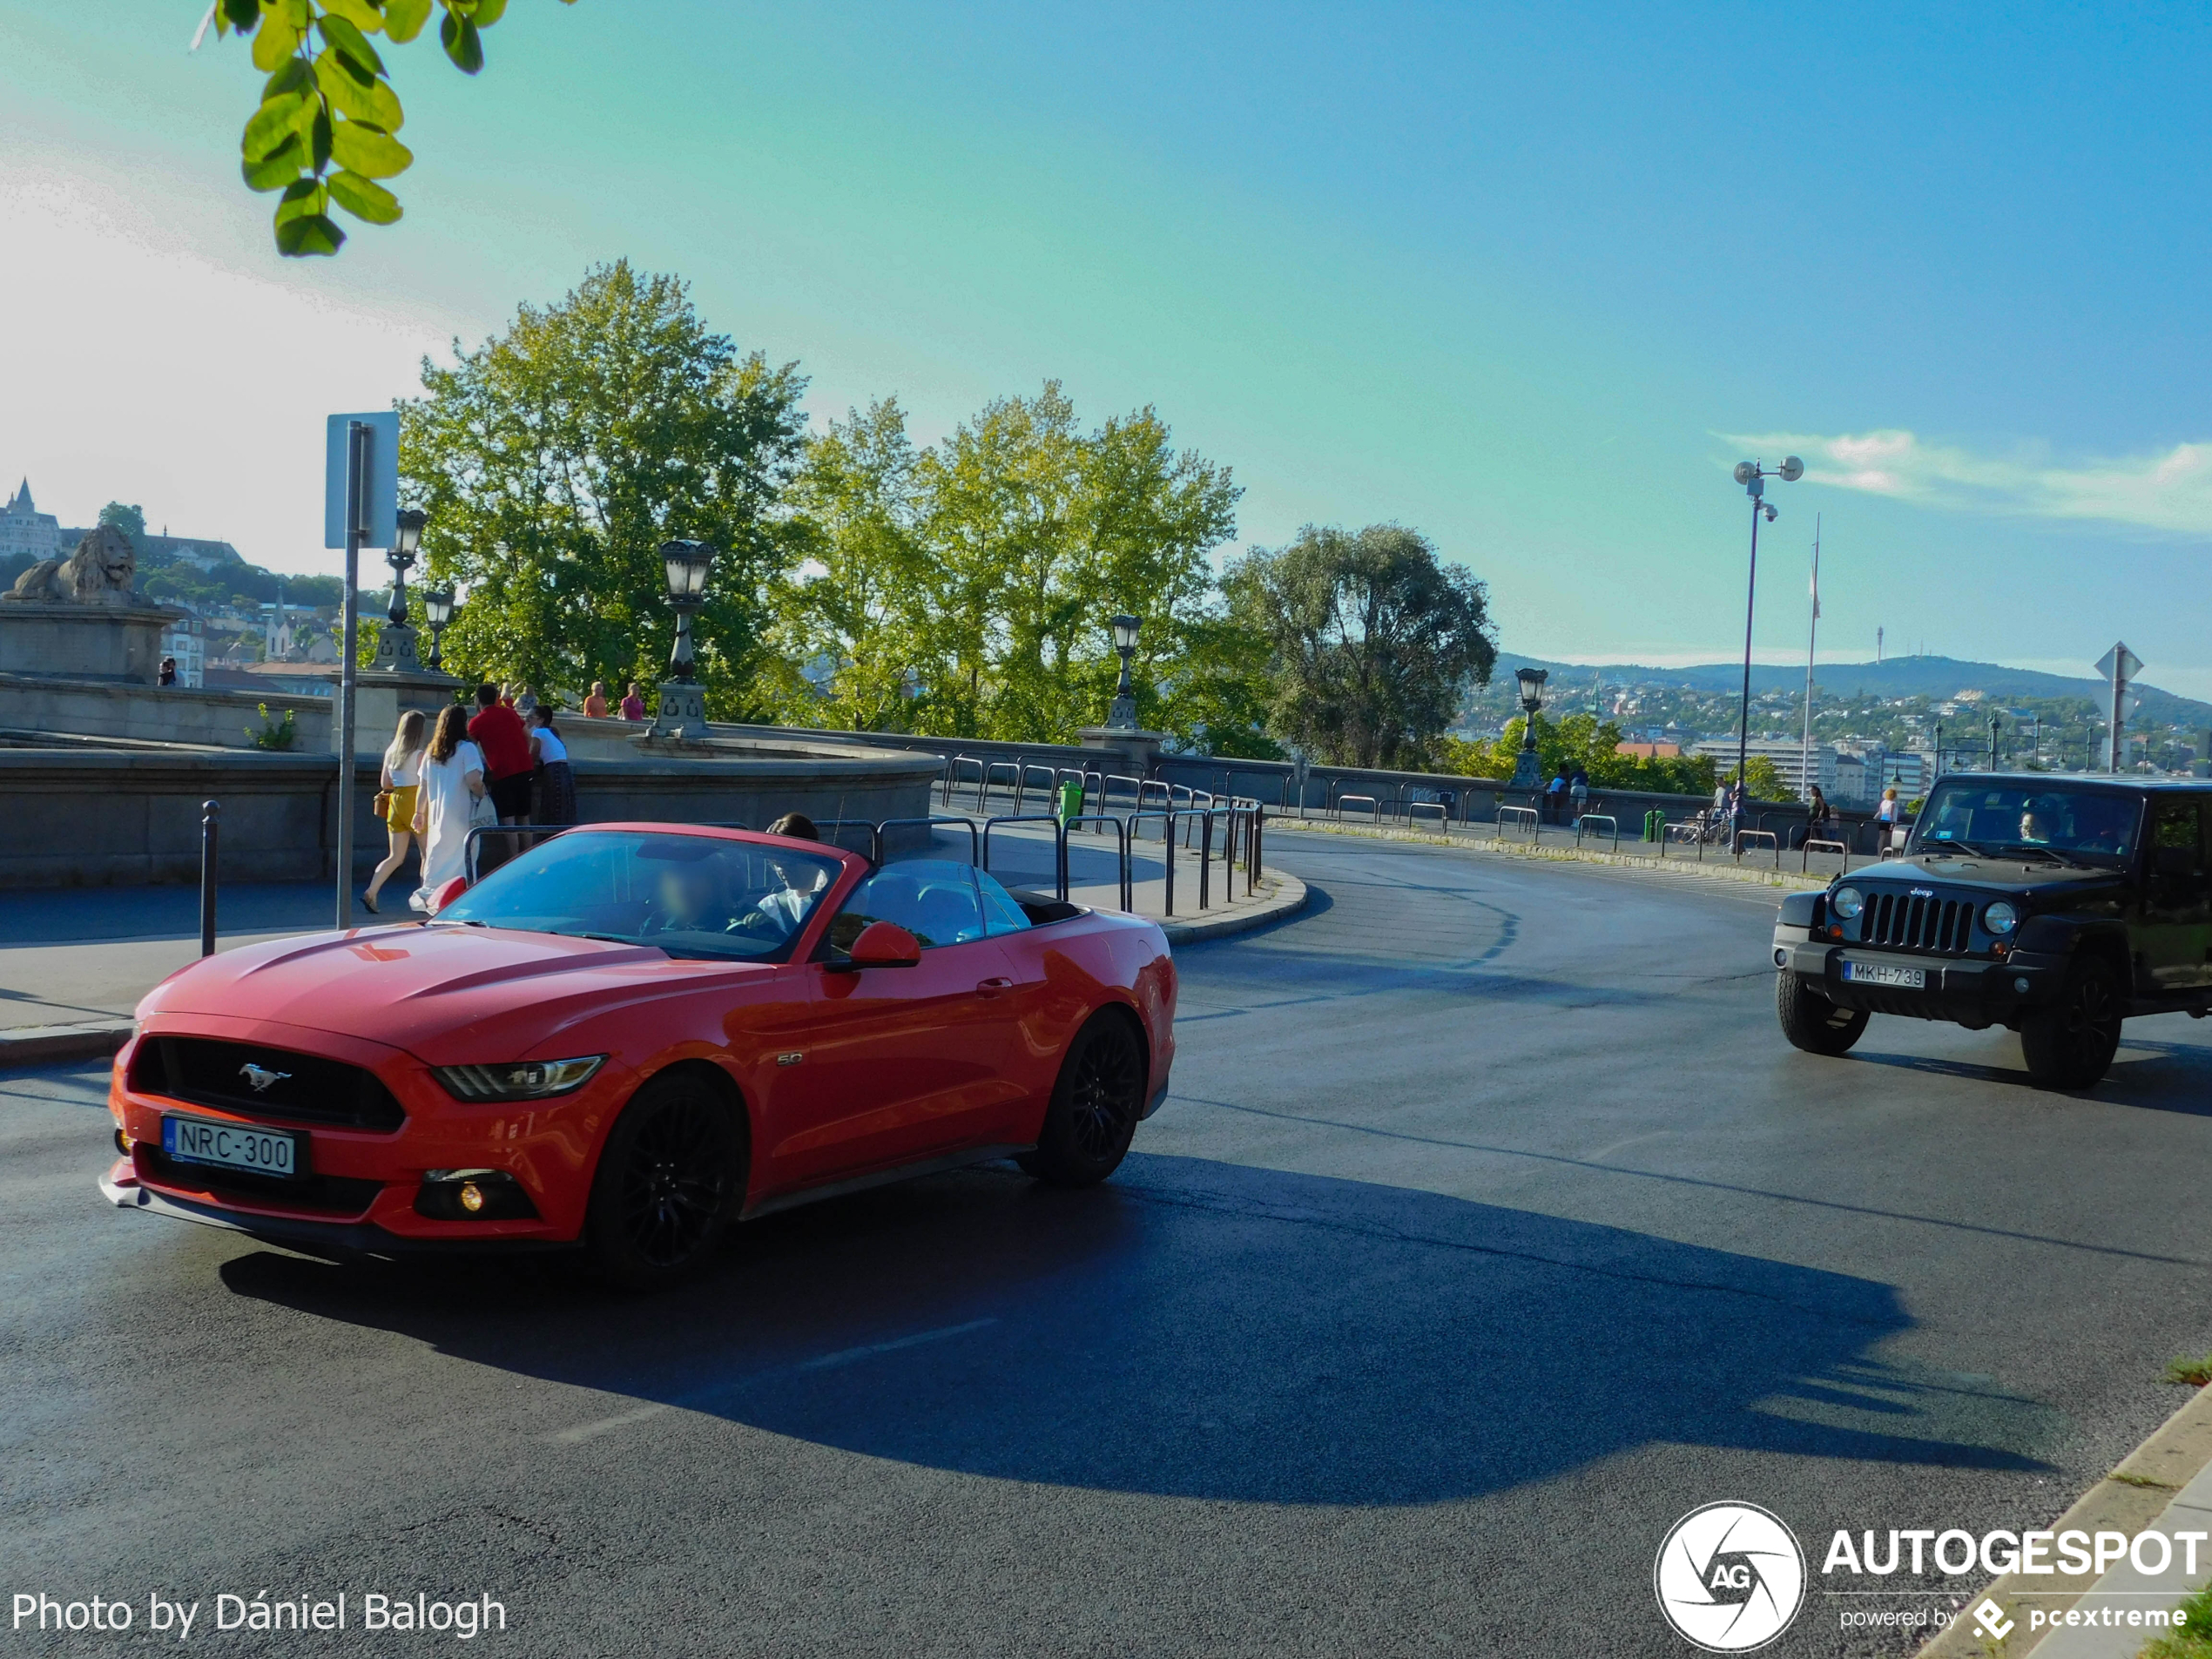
[
  {"x": 1040, "y": 534},
  {"x": 555, "y": 459},
  {"x": 328, "y": 103},
  {"x": 1373, "y": 640},
  {"x": 129, "y": 518}
]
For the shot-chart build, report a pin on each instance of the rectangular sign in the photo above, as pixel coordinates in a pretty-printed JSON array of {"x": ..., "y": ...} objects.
[{"x": 381, "y": 483}]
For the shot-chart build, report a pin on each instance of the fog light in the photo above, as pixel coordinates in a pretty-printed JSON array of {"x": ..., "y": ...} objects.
[
  {"x": 121, "y": 1141},
  {"x": 2020, "y": 986},
  {"x": 1781, "y": 956},
  {"x": 472, "y": 1197}
]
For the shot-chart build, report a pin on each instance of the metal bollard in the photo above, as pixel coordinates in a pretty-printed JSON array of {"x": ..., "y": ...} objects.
[{"x": 210, "y": 831}]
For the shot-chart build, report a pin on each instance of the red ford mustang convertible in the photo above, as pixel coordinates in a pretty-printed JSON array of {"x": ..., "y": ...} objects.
[{"x": 633, "y": 1035}]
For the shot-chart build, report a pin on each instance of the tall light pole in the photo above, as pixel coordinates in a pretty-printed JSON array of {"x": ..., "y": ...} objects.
[
  {"x": 1753, "y": 477},
  {"x": 1122, "y": 715},
  {"x": 1528, "y": 768},
  {"x": 683, "y": 701}
]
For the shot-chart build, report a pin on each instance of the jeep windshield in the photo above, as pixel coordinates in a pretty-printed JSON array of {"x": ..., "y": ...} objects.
[{"x": 2093, "y": 827}]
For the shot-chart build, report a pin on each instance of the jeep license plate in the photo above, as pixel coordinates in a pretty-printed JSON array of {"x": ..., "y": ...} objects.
[{"x": 1913, "y": 978}]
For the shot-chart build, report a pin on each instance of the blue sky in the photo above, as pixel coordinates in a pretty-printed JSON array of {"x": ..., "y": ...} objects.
[{"x": 1529, "y": 279}]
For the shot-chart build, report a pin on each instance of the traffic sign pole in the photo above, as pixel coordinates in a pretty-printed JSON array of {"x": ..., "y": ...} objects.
[{"x": 359, "y": 438}]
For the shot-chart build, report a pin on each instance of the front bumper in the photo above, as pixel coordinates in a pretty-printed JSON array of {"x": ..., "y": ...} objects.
[{"x": 1971, "y": 991}]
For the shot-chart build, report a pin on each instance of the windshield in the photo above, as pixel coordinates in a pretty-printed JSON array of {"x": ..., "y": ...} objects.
[
  {"x": 691, "y": 895},
  {"x": 2077, "y": 826}
]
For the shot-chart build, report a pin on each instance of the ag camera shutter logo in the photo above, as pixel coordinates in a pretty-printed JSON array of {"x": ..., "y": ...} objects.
[{"x": 1729, "y": 1577}]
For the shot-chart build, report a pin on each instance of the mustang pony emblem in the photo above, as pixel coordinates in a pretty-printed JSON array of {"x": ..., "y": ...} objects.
[{"x": 262, "y": 1077}]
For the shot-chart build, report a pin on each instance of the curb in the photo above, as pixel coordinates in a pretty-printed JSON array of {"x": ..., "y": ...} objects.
[
  {"x": 47, "y": 1045},
  {"x": 1785, "y": 881},
  {"x": 2128, "y": 1500},
  {"x": 1288, "y": 900}
]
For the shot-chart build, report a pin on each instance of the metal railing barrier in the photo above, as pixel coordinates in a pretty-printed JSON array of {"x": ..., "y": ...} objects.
[
  {"x": 1374, "y": 807},
  {"x": 1121, "y": 843},
  {"x": 1443, "y": 812},
  {"x": 952, "y": 764},
  {"x": 472, "y": 842},
  {"x": 1514, "y": 815},
  {"x": 1840, "y": 849},
  {"x": 1768, "y": 836},
  {"x": 1058, "y": 845},
  {"x": 211, "y": 812},
  {"x": 1583, "y": 827},
  {"x": 974, "y": 845}
]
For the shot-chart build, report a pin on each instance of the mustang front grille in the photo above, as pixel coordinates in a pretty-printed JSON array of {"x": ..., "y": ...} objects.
[
  {"x": 1916, "y": 921},
  {"x": 259, "y": 1082}
]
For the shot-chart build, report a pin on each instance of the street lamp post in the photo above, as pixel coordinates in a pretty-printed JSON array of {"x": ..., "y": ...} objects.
[
  {"x": 1753, "y": 477},
  {"x": 682, "y": 714},
  {"x": 437, "y": 611},
  {"x": 396, "y": 650},
  {"x": 1527, "y": 770},
  {"x": 1993, "y": 743},
  {"x": 1121, "y": 717}
]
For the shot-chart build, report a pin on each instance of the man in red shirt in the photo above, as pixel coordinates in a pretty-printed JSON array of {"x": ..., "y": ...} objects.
[{"x": 497, "y": 730}]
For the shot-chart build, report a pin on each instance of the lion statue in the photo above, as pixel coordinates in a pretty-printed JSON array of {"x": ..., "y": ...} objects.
[{"x": 99, "y": 572}]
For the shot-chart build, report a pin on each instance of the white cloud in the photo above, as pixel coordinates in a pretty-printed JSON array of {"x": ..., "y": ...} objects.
[
  {"x": 2169, "y": 492},
  {"x": 148, "y": 361}
]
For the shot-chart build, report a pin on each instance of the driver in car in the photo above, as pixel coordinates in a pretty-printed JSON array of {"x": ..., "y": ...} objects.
[
  {"x": 782, "y": 910},
  {"x": 688, "y": 899}
]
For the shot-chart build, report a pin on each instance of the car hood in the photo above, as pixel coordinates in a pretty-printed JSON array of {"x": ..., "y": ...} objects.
[
  {"x": 431, "y": 990},
  {"x": 1998, "y": 875}
]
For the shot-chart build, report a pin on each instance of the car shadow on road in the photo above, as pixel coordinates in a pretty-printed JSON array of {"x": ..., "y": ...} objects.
[
  {"x": 2156, "y": 1076},
  {"x": 1197, "y": 1329}
]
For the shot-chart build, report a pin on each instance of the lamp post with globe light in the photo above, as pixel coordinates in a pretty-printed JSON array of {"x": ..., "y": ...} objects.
[
  {"x": 682, "y": 714},
  {"x": 437, "y": 611},
  {"x": 1122, "y": 715},
  {"x": 1753, "y": 477},
  {"x": 1527, "y": 768}
]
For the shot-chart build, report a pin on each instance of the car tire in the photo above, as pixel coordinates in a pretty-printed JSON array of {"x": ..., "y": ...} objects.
[
  {"x": 670, "y": 1177},
  {"x": 2070, "y": 1044},
  {"x": 1811, "y": 1022},
  {"x": 1095, "y": 1105}
]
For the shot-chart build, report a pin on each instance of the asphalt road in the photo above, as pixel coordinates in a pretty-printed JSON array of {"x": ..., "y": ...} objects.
[{"x": 1491, "y": 1227}]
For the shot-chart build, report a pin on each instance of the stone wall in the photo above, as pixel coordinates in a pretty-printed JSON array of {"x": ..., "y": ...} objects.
[{"x": 111, "y": 817}]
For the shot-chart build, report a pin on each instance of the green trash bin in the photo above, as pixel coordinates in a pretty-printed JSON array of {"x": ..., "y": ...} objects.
[{"x": 1071, "y": 800}]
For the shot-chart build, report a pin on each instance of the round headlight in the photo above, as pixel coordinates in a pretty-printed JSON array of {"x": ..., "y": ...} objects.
[
  {"x": 2000, "y": 918},
  {"x": 1847, "y": 902}
]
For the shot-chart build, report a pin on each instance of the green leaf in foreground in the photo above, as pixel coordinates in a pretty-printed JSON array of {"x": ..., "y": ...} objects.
[
  {"x": 462, "y": 44},
  {"x": 364, "y": 198},
  {"x": 361, "y": 149},
  {"x": 357, "y": 95},
  {"x": 350, "y": 43},
  {"x": 277, "y": 168},
  {"x": 403, "y": 19},
  {"x": 312, "y": 234},
  {"x": 271, "y": 125}
]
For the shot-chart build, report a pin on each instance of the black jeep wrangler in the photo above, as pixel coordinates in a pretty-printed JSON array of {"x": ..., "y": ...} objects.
[{"x": 2056, "y": 906}]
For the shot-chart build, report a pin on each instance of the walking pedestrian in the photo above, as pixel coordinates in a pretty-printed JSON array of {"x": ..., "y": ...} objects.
[
  {"x": 595, "y": 705},
  {"x": 633, "y": 707},
  {"x": 168, "y": 670},
  {"x": 450, "y": 799},
  {"x": 397, "y": 787},
  {"x": 555, "y": 777}
]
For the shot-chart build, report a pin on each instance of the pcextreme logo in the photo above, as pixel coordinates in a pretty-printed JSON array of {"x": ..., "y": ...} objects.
[{"x": 1729, "y": 1577}]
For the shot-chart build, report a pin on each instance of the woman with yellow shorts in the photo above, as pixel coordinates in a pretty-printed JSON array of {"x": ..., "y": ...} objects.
[{"x": 401, "y": 778}]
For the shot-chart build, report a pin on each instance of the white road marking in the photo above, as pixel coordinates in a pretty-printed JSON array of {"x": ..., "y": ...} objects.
[
  {"x": 847, "y": 1356},
  {"x": 584, "y": 1432}
]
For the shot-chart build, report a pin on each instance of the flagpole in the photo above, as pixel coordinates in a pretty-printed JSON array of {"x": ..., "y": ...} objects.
[{"x": 1804, "y": 761}]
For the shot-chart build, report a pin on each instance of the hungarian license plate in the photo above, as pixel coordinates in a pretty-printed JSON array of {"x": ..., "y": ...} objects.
[
  {"x": 231, "y": 1146},
  {"x": 1914, "y": 978}
]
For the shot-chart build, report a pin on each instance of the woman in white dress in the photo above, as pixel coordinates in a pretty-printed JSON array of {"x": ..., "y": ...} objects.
[
  {"x": 402, "y": 777},
  {"x": 453, "y": 782}
]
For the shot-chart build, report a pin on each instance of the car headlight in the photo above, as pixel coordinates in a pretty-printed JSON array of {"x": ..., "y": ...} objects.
[
  {"x": 1847, "y": 902},
  {"x": 2000, "y": 918},
  {"x": 523, "y": 1080}
]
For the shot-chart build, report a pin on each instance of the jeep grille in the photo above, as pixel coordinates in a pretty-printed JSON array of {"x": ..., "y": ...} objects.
[{"x": 1909, "y": 921}]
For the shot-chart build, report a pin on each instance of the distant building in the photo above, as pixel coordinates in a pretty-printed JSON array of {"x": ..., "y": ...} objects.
[
  {"x": 186, "y": 641},
  {"x": 1788, "y": 758},
  {"x": 23, "y": 528},
  {"x": 1649, "y": 750},
  {"x": 197, "y": 551}
]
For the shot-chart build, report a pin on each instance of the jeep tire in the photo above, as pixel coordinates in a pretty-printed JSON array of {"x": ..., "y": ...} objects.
[
  {"x": 1811, "y": 1020},
  {"x": 2070, "y": 1044}
]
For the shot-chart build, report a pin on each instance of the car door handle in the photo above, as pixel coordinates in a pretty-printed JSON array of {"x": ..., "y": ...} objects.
[{"x": 993, "y": 986}]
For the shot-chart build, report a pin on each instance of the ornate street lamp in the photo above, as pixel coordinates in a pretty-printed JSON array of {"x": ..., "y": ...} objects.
[
  {"x": 683, "y": 703},
  {"x": 395, "y": 641},
  {"x": 1122, "y": 715},
  {"x": 1527, "y": 770},
  {"x": 438, "y": 610}
]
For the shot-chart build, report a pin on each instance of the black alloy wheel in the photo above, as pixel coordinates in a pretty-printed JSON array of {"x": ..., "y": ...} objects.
[
  {"x": 669, "y": 1179},
  {"x": 2070, "y": 1044},
  {"x": 1095, "y": 1105}
]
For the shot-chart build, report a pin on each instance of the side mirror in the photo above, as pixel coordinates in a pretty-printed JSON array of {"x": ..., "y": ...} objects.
[
  {"x": 881, "y": 944},
  {"x": 446, "y": 894}
]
